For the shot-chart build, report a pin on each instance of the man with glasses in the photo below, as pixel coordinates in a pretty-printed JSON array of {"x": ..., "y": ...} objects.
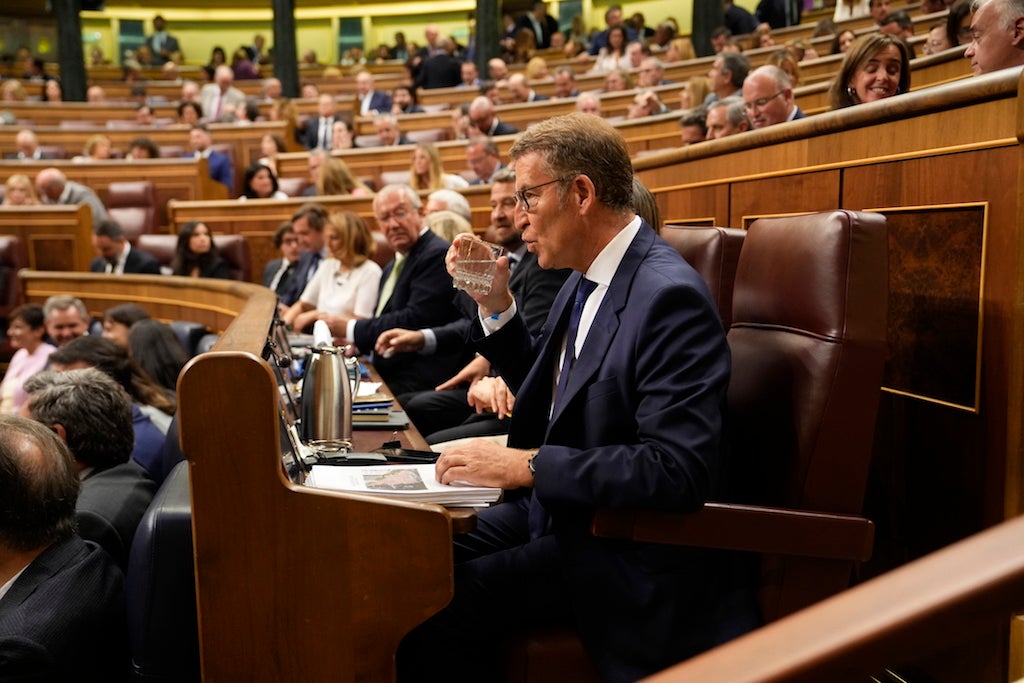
[
  {"x": 416, "y": 292},
  {"x": 618, "y": 404},
  {"x": 768, "y": 97}
]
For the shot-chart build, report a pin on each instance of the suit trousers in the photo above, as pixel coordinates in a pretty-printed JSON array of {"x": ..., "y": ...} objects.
[{"x": 504, "y": 582}]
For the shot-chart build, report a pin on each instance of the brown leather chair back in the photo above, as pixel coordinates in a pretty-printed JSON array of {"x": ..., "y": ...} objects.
[
  {"x": 808, "y": 342},
  {"x": 132, "y": 205},
  {"x": 232, "y": 248},
  {"x": 714, "y": 253},
  {"x": 12, "y": 259}
]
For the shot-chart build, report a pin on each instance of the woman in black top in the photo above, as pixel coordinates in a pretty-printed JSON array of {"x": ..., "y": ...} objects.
[{"x": 196, "y": 254}]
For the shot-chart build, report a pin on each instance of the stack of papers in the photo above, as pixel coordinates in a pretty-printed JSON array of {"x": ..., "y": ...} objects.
[{"x": 401, "y": 482}]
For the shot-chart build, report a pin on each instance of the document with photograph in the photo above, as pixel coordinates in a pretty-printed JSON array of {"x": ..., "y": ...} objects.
[{"x": 402, "y": 482}]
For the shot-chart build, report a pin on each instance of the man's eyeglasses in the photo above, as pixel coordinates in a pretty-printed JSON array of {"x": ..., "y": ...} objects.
[
  {"x": 521, "y": 195},
  {"x": 760, "y": 102},
  {"x": 397, "y": 214}
]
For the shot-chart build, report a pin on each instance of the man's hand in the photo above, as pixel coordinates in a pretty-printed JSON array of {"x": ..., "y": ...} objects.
[
  {"x": 499, "y": 298},
  {"x": 491, "y": 395},
  {"x": 472, "y": 372},
  {"x": 484, "y": 463},
  {"x": 397, "y": 340}
]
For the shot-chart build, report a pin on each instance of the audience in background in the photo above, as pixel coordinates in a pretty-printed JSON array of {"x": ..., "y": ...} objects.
[
  {"x": 118, "y": 321},
  {"x": 196, "y": 254},
  {"x": 334, "y": 177},
  {"x": 19, "y": 191},
  {"x": 694, "y": 127},
  {"x": 25, "y": 331},
  {"x": 156, "y": 349},
  {"x": 260, "y": 183},
  {"x": 278, "y": 273},
  {"x": 427, "y": 173},
  {"x": 67, "y": 319}
]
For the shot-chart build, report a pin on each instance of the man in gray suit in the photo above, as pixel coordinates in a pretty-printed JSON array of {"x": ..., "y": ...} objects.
[
  {"x": 61, "y": 598},
  {"x": 92, "y": 414},
  {"x": 55, "y": 188}
]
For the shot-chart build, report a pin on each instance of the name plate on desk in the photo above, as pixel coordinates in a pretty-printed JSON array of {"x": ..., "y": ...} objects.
[{"x": 396, "y": 420}]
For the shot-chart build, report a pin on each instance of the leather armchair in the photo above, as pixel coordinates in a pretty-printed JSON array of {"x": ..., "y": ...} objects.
[
  {"x": 132, "y": 205},
  {"x": 714, "y": 253}
]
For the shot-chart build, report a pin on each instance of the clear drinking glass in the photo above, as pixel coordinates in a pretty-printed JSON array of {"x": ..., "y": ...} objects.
[{"x": 474, "y": 269}]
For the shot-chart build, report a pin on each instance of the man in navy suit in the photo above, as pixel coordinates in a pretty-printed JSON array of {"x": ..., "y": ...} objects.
[
  {"x": 319, "y": 130},
  {"x": 415, "y": 292},
  {"x": 520, "y": 90},
  {"x": 618, "y": 404},
  {"x": 370, "y": 101},
  {"x": 220, "y": 165},
  {"x": 768, "y": 97},
  {"x": 61, "y": 598},
  {"x": 117, "y": 255},
  {"x": 481, "y": 114}
]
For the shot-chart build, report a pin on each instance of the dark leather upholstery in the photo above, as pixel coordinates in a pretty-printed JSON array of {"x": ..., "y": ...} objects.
[
  {"x": 808, "y": 342},
  {"x": 189, "y": 334},
  {"x": 132, "y": 204},
  {"x": 233, "y": 248},
  {"x": 160, "y": 588},
  {"x": 714, "y": 253},
  {"x": 12, "y": 259}
]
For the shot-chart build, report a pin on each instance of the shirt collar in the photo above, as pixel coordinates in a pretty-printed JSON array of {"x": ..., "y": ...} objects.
[{"x": 603, "y": 268}]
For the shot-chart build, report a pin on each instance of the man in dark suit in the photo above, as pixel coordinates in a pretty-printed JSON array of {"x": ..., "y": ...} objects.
[
  {"x": 279, "y": 273},
  {"x": 441, "y": 70},
  {"x": 482, "y": 156},
  {"x": 520, "y": 90},
  {"x": 612, "y": 18},
  {"x": 308, "y": 225},
  {"x": 540, "y": 22},
  {"x": 371, "y": 101},
  {"x": 61, "y": 598},
  {"x": 768, "y": 97},
  {"x": 28, "y": 147},
  {"x": 415, "y": 292},
  {"x": 319, "y": 130},
  {"x": 481, "y": 114},
  {"x": 220, "y": 165},
  {"x": 162, "y": 43},
  {"x": 464, "y": 405},
  {"x": 92, "y": 414},
  {"x": 117, "y": 255},
  {"x": 618, "y": 404}
]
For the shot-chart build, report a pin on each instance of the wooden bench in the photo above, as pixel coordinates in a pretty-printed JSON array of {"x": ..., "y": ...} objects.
[
  {"x": 172, "y": 178},
  {"x": 55, "y": 237}
]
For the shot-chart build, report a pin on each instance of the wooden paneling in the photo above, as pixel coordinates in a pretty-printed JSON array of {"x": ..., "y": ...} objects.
[{"x": 55, "y": 237}]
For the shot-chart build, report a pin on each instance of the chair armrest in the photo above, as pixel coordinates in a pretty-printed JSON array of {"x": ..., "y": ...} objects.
[{"x": 745, "y": 527}]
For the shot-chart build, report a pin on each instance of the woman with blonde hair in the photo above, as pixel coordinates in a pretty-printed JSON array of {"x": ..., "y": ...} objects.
[
  {"x": 97, "y": 148},
  {"x": 13, "y": 91},
  {"x": 346, "y": 284},
  {"x": 20, "y": 191},
  {"x": 617, "y": 81},
  {"x": 427, "y": 173},
  {"x": 680, "y": 49},
  {"x": 785, "y": 60},
  {"x": 536, "y": 68},
  {"x": 335, "y": 177},
  {"x": 694, "y": 93}
]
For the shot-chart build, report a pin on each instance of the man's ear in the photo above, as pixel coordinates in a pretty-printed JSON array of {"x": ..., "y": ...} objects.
[
  {"x": 585, "y": 192},
  {"x": 58, "y": 429},
  {"x": 1018, "y": 33}
]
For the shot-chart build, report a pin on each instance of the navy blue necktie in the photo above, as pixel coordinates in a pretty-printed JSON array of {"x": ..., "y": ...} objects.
[{"x": 582, "y": 292}]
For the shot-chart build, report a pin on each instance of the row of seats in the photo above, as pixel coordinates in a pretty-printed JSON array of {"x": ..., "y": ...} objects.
[{"x": 805, "y": 300}]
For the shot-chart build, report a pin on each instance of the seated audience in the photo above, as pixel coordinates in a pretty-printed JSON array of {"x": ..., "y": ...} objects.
[
  {"x": 589, "y": 103},
  {"x": 785, "y": 60},
  {"x": 19, "y": 191},
  {"x": 849, "y": 9},
  {"x": 190, "y": 113},
  {"x": 278, "y": 274},
  {"x": 97, "y": 148},
  {"x": 726, "y": 76},
  {"x": 260, "y": 183},
  {"x": 67, "y": 319},
  {"x": 447, "y": 224},
  {"x": 62, "y": 615},
  {"x": 118, "y": 321},
  {"x": 93, "y": 416},
  {"x": 156, "y": 349},
  {"x": 520, "y": 90},
  {"x": 52, "y": 91},
  {"x": 768, "y": 96},
  {"x": 998, "y": 36},
  {"x": 12, "y": 91},
  {"x": 565, "y": 82},
  {"x": 645, "y": 103},
  {"x": 958, "y": 22},
  {"x": 345, "y": 284},
  {"x": 388, "y": 131},
  {"x": 448, "y": 200},
  {"x": 25, "y": 331},
  {"x": 694, "y": 126},
  {"x": 196, "y": 255},
  {"x": 938, "y": 39},
  {"x": 842, "y": 41},
  {"x": 726, "y": 117},
  {"x": 695, "y": 92},
  {"x": 613, "y": 56},
  {"x": 143, "y": 147},
  {"x": 483, "y": 116},
  {"x": 116, "y": 255},
  {"x": 617, "y": 81},
  {"x": 877, "y": 66},
  {"x": 482, "y": 157},
  {"x": 680, "y": 49},
  {"x": 536, "y": 69},
  {"x": 27, "y": 143},
  {"x": 403, "y": 101},
  {"x": 201, "y": 141},
  {"x": 427, "y": 173},
  {"x": 335, "y": 177},
  {"x": 271, "y": 145},
  {"x": 342, "y": 135},
  {"x": 55, "y": 188}
]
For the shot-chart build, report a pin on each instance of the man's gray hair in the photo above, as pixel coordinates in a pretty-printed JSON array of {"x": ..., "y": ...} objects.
[{"x": 60, "y": 302}]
